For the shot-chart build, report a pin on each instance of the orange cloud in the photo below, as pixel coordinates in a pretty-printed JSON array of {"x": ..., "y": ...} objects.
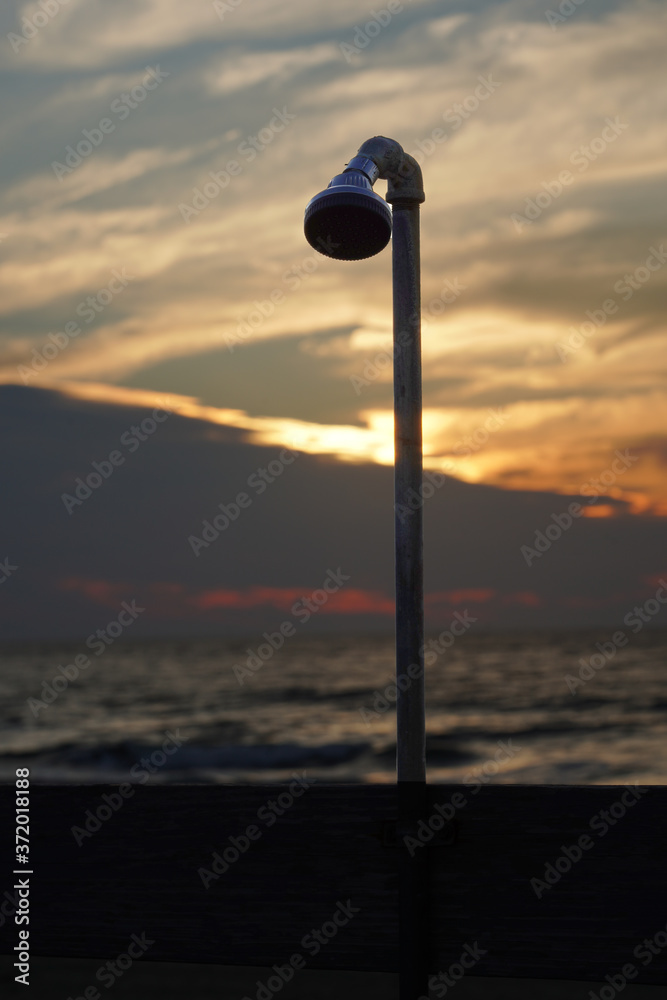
[
  {"x": 572, "y": 456},
  {"x": 172, "y": 597},
  {"x": 600, "y": 510},
  {"x": 97, "y": 591},
  {"x": 528, "y": 598},
  {"x": 256, "y": 597},
  {"x": 358, "y": 602},
  {"x": 349, "y": 602},
  {"x": 472, "y": 596}
]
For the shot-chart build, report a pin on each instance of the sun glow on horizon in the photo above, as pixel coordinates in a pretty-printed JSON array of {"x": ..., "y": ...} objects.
[{"x": 491, "y": 446}]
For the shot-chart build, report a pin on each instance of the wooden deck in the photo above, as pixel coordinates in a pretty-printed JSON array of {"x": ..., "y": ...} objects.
[{"x": 140, "y": 873}]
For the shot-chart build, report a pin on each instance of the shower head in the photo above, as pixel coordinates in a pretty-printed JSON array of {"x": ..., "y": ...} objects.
[{"x": 348, "y": 220}]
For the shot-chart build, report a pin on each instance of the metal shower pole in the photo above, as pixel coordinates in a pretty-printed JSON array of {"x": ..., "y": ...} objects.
[
  {"x": 405, "y": 194},
  {"x": 361, "y": 235},
  {"x": 410, "y": 726}
]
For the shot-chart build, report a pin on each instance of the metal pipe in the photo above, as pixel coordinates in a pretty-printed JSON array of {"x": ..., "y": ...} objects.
[
  {"x": 367, "y": 234},
  {"x": 405, "y": 194},
  {"x": 410, "y": 708},
  {"x": 410, "y": 725}
]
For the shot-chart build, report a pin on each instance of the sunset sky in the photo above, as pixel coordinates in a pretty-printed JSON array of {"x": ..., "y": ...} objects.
[{"x": 131, "y": 278}]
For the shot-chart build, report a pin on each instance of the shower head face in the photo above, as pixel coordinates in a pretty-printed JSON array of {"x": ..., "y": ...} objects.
[{"x": 348, "y": 221}]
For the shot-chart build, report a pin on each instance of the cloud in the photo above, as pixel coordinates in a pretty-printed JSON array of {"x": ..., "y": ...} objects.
[
  {"x": 129, "y": 537},
  {"x": 88, "y": 33},
  {"x": 200, "y": 284},
  {"x": 248, "y": 69}
]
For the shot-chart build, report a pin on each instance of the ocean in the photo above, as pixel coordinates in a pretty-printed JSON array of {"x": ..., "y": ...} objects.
[
  {"x": 561, "y": 708},
  {"x": 565, "y": 708}
]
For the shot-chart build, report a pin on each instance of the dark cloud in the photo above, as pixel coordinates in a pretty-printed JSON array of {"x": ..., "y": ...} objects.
[
  {"x": 254, "y": 375},
  {"x": 197, "y": 280},
  {"x": 129, "y": 539}
]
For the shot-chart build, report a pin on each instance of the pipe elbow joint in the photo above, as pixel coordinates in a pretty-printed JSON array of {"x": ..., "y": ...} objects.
[{"x": 401, "y": 171}]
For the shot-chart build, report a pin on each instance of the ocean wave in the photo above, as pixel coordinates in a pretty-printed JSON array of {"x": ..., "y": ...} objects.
[{"x": 124, "y": 757}]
